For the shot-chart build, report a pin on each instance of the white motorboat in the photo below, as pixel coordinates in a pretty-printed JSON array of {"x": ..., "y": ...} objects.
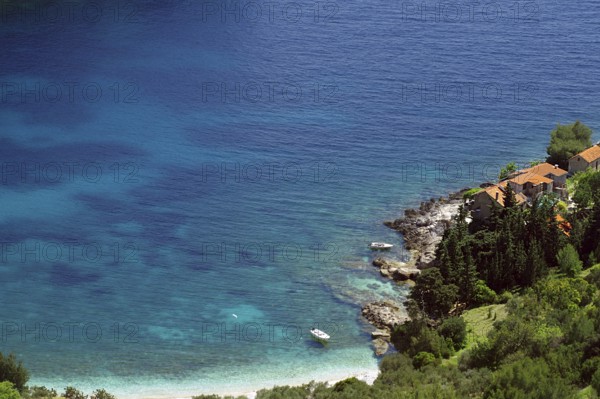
[
  {"x": 380, "y": 245},
  {"x": 319, "y": 335}
]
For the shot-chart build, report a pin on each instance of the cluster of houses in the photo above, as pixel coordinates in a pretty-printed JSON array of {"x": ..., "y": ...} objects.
[{"x": 531, "y": 182}]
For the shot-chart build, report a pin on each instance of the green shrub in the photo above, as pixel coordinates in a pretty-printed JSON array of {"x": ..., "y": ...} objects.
[
  {"x": 218, "y": 397},
  {"x": 416, "y": 336},
  {"x": 455, "y": 329},
  {"x": 7, "y": 391},
  {"x": 284, "y": 393},
  {"x": 596, "y": 381},
  {"x": 36, "y": 392},
  {"x": 594, "y": 277},
  {"x": 470, "y": 193},
  {"x": 352, "y": 386},
  {"x": 423, "y": 359},
  {"x": 72, "y": 393},
  {"x": 568, "y": 261},
  {"x": 13, "y": 371},
  {"x": 588, "y": 368},
  {"x": 483, "y": 295},
  {"x": 504, "y": 297},
  {"x": 527, "y": 378},
  {"x": 506, "y": 171},
  {"x": 102, "y": 394}
]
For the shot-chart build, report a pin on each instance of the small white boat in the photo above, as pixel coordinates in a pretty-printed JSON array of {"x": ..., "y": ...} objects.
[
  {"x": 380, "y": 245},
  {"x": 319, "y": 335}
]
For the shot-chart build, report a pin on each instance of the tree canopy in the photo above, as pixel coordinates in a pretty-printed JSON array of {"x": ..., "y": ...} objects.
[
  {"x": 13, "y": 371},
  {"x": 566, "y": 141}
]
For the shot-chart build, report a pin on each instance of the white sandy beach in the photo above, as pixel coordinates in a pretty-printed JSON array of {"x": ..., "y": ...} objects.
[{"x": 172, "y": 389}]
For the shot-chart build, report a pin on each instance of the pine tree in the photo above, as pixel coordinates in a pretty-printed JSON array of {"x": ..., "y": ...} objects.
[
  {"x": 520, "y": 262},
  {"x": 510, "y": 199},
  {"x": 535, "y": 266},
  {"x": 469, "y": 276}
]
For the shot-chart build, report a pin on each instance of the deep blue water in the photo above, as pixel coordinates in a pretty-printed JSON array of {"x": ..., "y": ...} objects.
[{"x": 166, "y": 165}]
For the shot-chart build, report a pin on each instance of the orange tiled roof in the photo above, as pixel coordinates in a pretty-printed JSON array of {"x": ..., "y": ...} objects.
[
  {"x": 530, "y": 178},
  {"x": 589, "y": 155},
  {"x": 563, "y": 224},
  {"x": 497, "y": 189},
  {"x": 544, "y": 169}
]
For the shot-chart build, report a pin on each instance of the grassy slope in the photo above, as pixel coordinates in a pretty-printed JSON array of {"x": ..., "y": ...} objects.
[{"x": 479, "y": 322}]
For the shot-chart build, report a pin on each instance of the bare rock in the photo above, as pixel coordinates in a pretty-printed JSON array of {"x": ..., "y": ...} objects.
[
  {"x": 398, "y": 271},
  {"x": 380, "y": 346},
  {"x": 424, "y": 228},
  {"x": 380, "y": 334},
  {"x": 384, "y": 315}
]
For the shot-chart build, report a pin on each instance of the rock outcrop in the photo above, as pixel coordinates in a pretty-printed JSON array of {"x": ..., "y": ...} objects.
[
  {"x": 384, "y": 315},
  {"x": 424, "y": 228},
  {"x": 380, "y": 346},
  {"x": 397, "y": 271}
]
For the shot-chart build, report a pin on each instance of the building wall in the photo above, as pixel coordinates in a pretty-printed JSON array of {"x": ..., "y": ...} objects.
[
  {"x": 559, "y": 181},
  {"x": 577, "y": 164},
  {"x": 480, "y": 209},
  {"x": 517, "y": 188}
]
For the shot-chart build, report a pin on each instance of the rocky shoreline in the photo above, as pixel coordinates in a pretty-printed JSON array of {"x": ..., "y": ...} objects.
[{"x": 422, "y": 229}]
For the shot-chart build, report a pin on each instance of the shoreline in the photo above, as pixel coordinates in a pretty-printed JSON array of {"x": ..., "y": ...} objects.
[
  {"x": 422, "y": 229},
  {"x": 186, "y": 389}
]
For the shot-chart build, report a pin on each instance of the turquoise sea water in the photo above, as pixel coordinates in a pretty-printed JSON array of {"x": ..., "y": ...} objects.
[{"x": 166, "y": 165}]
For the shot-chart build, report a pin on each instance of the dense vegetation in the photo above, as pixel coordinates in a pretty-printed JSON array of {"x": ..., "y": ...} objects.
[
  {"x": 566, "y": 141},
  {"x": 14, "y": 377}
]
